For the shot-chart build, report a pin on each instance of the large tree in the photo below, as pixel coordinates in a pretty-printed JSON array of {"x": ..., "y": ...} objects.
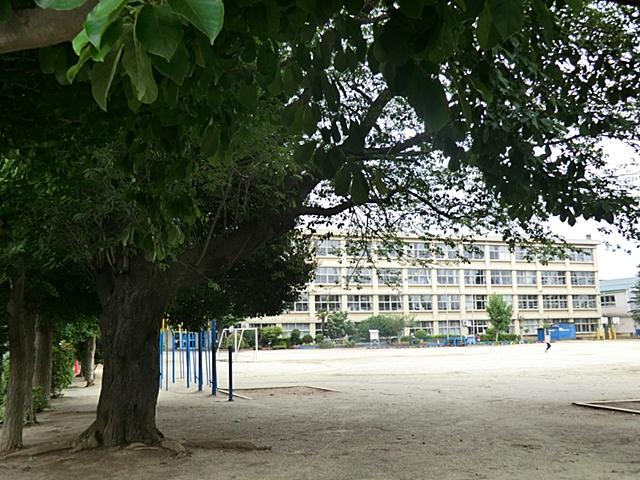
[{"x": 474, "y": 115}]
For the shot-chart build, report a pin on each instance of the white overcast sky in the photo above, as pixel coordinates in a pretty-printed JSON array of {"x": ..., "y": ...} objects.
[{"x": 612, "y": 262}]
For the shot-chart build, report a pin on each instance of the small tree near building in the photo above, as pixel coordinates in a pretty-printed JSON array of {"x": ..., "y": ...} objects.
[
  {"x": 338, "y": 325},
  {"x": 499, "y": 315},
  {"x": 634, "y": 302}
]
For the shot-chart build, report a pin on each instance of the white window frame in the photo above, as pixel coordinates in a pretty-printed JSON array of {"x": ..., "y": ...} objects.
[
  {"x": 360, "y": 275},
  {"x": 524, "y": 277},
  {"x": 553, "y": 277},
  {"x": 475, "y": 274},
  {"x": 327, "y": 247},
  {"x": 583, "y": 279},
  {"x": 476, "y": 302},
  {"x": 473, "y": 252},
  {"x": 389, "y": 276},
  {"x": 448, "y": 302},
  {"x": 327, "y": 276},
  {"x": 420, "y": 303},
  {"x": 555, "y": 302},
  {"x": 447, "y": 276},
  {"x": 360, "y": 303},
  {"x": 418, "y": 250},
  {"x": 390, "y": 303},
  {"x": 499, "y": 253},
  {"x": 608, "y": 300},
  {"x": 584, "y": 302},
  {"x": 328, "y": 299},
  {"x": 302, "y": 303},
  {"x": 416, "y": 275},
  {"x": 528, "y": 302},
  {"x": 501, "y": 277}
]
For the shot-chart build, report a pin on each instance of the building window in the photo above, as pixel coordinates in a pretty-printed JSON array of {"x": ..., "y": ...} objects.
[
  {"x": 426, "y": 326},
  {"x": 583, "y": 278},
  {"x": 302, "y": 304},
  {"x": 499, "y": 252},
  {"x": 522, "y": 254},
  {"x": 420, "y": 303},
  {"x": 327, "y": 248},
  {"x": 447, "y": 276},
  {"x": 389, "y": 303},
  {"x": 508, "y": 298},
  {"x": 554, "y": 302},
  {"x": 289, "y": 327},
  {"x": 608, "y": 300},
  {"x": 327, "y": 303},
  {"x": 529, "y": 326},
  {"x": 528, "y": 302},
  {"x": 584, "y": 302},
  {"x": 553, "y": 278},
  {"x": 476, "y": 302},
  {"x": 327, "y": 275},
  {"x": 582, "y": 255},
  {"x": 448, "y": 302},
  {"x": 501, "y": 277},
  {"x": 417, "y": 250},
  {"x": 473, "y": 252},
  {"x": 474, "y": 277},
  {"x": 444, "y": 251},
  {"x": 389, "y": 276},
  {"x": 419, "y": 276},
  {"x": 449, "y": 327},
  {"x": 478, "y": 327},
  {"x": 388, "y": 251},
  {"x": 359, "y": 303},
  {"x": 526, "y": 277},
  {"x": 357, "y": 248},
  {"x": 586, "y": 325},
  {"x": 358, "y": 275}
]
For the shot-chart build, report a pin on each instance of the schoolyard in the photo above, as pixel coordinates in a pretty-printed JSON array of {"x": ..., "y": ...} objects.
[{"x": 481, "y": 412}]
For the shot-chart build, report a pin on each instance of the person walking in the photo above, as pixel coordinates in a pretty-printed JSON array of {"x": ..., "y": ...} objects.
[{"x": 547, "y": 340}]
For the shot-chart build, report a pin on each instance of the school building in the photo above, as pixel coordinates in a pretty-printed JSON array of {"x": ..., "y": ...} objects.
[{"x": 445, "y": 288}]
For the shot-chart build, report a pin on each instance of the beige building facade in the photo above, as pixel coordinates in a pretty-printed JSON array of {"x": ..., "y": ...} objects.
[{"x": 445, "y": 289}]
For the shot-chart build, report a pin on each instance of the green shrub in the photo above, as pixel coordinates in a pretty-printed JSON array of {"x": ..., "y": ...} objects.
[
  {"x": 39, "y": 399},
  {"x": 406, "y": 339},
  {"x": 307, "y": 339},
  {"x": 62, "y": 369},
  {"x": 283, "y": 341},
  {"x": 294, "y": 337},
  {"x": 269, "y": 335},
  {"x": 327, "y": 343},
  {"x": 319, "y": 338},
  {"x": 349, "y": 344},
  {"x": 421, "y": 334}
]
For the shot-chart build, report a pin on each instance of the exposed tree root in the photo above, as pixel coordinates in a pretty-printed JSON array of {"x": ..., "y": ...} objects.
[
  {"x": 226, "y": 445},
  {"x": 37, "y": 450}
]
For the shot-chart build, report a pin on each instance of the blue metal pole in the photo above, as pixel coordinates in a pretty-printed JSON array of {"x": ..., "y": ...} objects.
[
  {"x": 230, "y": 373},
  {"x": 166, "y": 369},
  {"x": 173, "y": 357},
  {"x": 160, "y": 348},
  {"x": 188, "y": 359},
  {"x": 214, "y": 347},
  {"x": 199, "y": 360},
  {"x": 205, "y": 341}
]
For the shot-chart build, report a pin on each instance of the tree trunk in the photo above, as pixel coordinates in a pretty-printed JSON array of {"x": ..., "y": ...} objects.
[
  {"x": 133, "y": 304},
  {"x": 88, "y": 360},
  {"x": 21, "y": 339},
  {"x": 44, "y": 357}
]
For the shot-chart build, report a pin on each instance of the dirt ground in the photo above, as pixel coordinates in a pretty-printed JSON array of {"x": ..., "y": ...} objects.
[{"x": 479, "y": 412}]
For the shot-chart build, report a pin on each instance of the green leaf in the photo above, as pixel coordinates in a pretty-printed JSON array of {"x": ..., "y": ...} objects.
[
  {"x": 248, "y": 97},
  {"x": 60, "y": 4},
  {"x": 5, "y": 10},
  {"x": 498, "y": 20},
  {"x": 101, "y": 77},
  {"x": 137, "y": 64},
  {"x": 75, "y": 69},
  {"x": 507, "y": 16},
  {"x": 303, "y": 153},
  {"x": 342, "y": 180},
  {"x": 481, "y": 87},
  {"x": 159, "y": 30},
  {"x": 178, "y": 68},
  {"x": 99, "y": 19},
  {"x": 109, "y": 39},
  {"x": 210, "y": 141},
  {"x": 206, "y": 15},
  {"x": 79, "y": 41},
  {"x": 426, "y": 95},
  {"x": 359, "y": 188}
]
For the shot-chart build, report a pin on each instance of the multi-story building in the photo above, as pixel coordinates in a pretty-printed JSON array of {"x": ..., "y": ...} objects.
[
  {"x": 616, "y": 302},
  {"x": 445, "y": 289}
]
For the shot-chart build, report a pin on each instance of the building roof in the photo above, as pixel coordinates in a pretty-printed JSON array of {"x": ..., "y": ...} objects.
[{"x": 618, "y": 284}]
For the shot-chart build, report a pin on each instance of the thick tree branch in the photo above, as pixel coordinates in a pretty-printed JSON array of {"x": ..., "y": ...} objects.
[
  {"x": 36, "y": 28},
  {"x": 325, "y": 212}
]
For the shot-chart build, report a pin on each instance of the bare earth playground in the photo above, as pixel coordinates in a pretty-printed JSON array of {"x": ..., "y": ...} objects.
[{"x": 501, "y": 412}]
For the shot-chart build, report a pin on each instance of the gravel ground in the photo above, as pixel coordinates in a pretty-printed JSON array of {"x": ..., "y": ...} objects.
[{"x": 481, "y": 412}]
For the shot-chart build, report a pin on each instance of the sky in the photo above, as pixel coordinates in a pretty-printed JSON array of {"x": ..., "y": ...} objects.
[{"x": 612, "y": 262}]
